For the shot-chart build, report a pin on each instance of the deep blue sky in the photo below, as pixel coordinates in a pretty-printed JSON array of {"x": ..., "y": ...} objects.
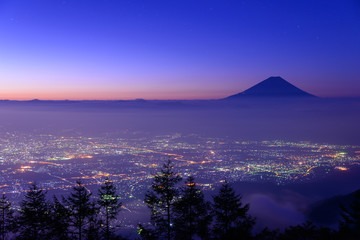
[{"x": 176, "y": 49}]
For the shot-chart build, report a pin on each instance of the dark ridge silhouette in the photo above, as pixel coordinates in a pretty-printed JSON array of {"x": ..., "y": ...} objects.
[
  {"x": 272, "y": 87},
  {"x": 328, "y": 211}
]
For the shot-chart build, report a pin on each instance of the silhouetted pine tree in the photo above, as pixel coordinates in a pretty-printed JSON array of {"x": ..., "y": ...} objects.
[
  {"x": 92, "y": 232},
  {"x": 110, "y": 205},
  {"x": 33, "y": 221},
  {"x": 191, "y": 213},
  {"x": 161, "y": 198},
  {"x": 232, "y": 220},
  {"x": 350, "y": 224},
  {"x": 267, "y": 234},
  {"x": 307, "y": 231},
  {"x": 60, "y": 221},
  {"x": 6, "y": 217},
  {"x": 82, "y": 211}
]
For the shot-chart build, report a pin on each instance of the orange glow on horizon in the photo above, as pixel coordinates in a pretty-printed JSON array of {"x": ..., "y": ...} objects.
[{"x": 111, "y": 95}]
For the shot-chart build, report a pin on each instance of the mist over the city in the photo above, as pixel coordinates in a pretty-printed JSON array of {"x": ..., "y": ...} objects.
[{"x": 321, "y": 120}]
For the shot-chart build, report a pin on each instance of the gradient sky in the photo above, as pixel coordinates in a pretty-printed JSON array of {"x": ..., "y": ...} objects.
[{"x": 178, "y": 49}]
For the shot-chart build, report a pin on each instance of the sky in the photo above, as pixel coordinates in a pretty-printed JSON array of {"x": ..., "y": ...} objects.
[{"x": 179, "y": 49}]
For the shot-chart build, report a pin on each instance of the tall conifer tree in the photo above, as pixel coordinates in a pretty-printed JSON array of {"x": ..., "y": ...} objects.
[
  {"x": 232, "y": 220},
  {"x": 191, "y": 213},
  {"x": 109, "y": 202},
  {"x": 6, "y": 217},
  {"x": 34, "y": 215},
  {"x": 60, "y": 221},
  {"x": 161, "y": 198},
  {"x": 82, "y": 210}
]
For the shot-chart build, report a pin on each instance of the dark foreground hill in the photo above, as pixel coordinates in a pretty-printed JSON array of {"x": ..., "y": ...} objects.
[{"x": 328, "y": 211}]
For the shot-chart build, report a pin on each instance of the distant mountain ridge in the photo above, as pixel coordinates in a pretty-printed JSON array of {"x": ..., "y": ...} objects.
[{"x": 272, "y": 87}]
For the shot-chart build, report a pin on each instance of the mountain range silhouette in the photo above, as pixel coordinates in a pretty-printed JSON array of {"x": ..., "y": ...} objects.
[{"x": 272, "y": 87}]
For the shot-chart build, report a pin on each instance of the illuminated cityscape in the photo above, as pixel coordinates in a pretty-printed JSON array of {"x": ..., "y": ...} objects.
[{"x": 55, "y": 163}]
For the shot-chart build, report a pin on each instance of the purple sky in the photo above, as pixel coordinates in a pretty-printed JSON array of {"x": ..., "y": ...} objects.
[{"x": 186, "y": 49}]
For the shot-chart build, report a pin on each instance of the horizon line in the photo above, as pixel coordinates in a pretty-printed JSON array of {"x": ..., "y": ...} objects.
[{"x": 143, "y": 99}]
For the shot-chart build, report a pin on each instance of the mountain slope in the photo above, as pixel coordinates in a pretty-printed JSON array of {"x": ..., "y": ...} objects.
[
  {"x": 272, "y": 87},
  {"x": 327, "y": 211}
]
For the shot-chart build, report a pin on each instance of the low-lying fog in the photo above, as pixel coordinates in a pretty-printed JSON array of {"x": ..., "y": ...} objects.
[{"x": 320, "y": 120}]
